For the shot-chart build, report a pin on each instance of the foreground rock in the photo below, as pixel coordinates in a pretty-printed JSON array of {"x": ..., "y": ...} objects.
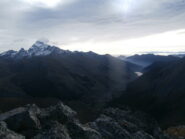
[
  {"x": 5, "y": 133},
  {"x": 127, "y": 124},
  {"x": 53, "y": 130},
  {"x": 60, "y": 122},
  {"x": 60, "y": 113},
  {"x": 23, "y": 120}
]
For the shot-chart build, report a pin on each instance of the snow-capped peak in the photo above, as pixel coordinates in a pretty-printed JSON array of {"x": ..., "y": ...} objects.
[
  {"x": 40, "y": 44},
  {"x": 10, "y": 53},
  {"x": 39, "y": 48}
]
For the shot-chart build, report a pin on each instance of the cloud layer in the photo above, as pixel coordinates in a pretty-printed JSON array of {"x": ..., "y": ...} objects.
[{"x": 68, "y": 22}]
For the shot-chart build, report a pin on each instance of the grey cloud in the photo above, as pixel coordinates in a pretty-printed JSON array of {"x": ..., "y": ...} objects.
[{"x": 84, "y": 20}]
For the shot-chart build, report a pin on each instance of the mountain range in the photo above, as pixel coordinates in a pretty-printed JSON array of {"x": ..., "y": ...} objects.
[
  {"x": 39, "y": 48},
  {"x": 88, "y": 82},
  {"x": 80, "y": 79},
  {"x": 146, "y": 60}
]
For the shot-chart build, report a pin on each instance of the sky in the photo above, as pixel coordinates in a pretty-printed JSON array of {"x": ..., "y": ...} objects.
[{"x": 103, "y": 26}]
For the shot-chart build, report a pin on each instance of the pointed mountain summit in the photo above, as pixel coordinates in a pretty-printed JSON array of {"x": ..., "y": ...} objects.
[{"x": 39, "y": 48}]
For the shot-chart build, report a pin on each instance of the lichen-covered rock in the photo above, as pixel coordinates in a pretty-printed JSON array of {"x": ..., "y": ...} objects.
[
  {"x": 5, "y": 133},
  {"x": 53, "y": 130}
]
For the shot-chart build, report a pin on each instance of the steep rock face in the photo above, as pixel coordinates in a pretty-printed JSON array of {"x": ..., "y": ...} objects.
[{"x": 60, "y": 122}]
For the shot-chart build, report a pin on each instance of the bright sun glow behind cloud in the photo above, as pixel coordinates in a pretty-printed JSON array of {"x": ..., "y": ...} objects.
[
  {"x": 48, "y": 3},
  {"x": 123, "y": 5},
  {"x": 128, "y": 6}
]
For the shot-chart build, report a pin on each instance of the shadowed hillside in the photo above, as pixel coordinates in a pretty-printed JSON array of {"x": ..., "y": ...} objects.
[
  {"x": 82, "y": 80},
  {"x": 160, "y": 91}
]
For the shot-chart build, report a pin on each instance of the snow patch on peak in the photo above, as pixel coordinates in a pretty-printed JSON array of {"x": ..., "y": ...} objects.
[
  {"x": 40, "y": 45},
  {"x": 10, "y": 53},
  {"x": 22, "y": 53},
  {"x": 39, "y": 48}
]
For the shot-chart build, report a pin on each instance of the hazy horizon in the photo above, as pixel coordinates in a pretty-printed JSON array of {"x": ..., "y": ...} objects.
[{"x": 120, "y": 27}]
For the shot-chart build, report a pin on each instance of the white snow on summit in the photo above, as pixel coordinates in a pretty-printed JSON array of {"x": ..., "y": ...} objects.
[
  {"x": 39, "y": 48},
  {"x": 10, "y": 53}
]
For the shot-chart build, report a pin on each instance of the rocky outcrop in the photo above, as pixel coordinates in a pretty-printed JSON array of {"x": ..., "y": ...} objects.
[
  {"x": 60, "y": 113},
  {"x": 53, "y": 130},
  {"x": 109, "y": 128},
  {"x": 79, "y": 131},
  {"x": 5, "y": 133},
  {"x": 23, "y": 120},
  {"x": 60, "y": 122},
  {"x": 127, "y": 124}
]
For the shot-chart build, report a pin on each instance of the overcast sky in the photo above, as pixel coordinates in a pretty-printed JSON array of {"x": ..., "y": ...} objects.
[{"x": 103, "y": 26}]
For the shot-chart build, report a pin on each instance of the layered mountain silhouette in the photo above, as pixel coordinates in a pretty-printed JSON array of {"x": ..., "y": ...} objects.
[
  {"x": 160, "y": 91},
  {"x": 145, "y": 60},
  {"x": 45, "y": 74},
  {"x": 46, "y": 71}
]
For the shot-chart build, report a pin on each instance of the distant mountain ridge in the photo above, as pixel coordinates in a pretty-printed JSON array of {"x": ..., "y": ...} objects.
[{"x": 148, "y": 59}]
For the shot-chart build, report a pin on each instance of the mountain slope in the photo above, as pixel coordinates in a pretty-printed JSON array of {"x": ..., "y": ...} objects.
[
  {"x": 78, "y": 78},
  {"x": 160, "y": 91}
]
